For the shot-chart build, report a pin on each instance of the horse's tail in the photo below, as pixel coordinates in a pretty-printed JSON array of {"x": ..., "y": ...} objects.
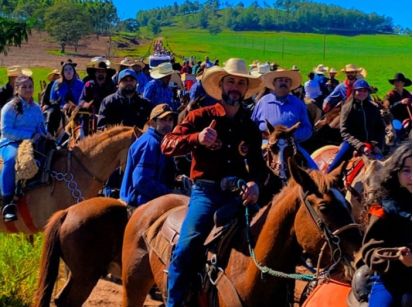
[{"x": 49, "y": 266}]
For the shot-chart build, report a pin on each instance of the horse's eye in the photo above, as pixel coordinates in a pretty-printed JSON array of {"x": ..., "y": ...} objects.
[{"x": 323, "y": 207}]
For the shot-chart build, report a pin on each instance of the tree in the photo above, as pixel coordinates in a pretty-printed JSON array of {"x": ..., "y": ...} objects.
[
  {"x": 154, "y": 26},
  {"x": 12, "y": 33},
  {"x": 102, "y": 14},
  {"x": 67, "y": 23},
  {"x": 214, "y": 27}
]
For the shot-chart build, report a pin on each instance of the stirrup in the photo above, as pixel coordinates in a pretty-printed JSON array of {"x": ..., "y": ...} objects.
[{"x": 9, "y": 212}]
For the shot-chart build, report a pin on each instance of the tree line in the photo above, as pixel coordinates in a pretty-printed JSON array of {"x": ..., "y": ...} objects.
[
  {"x": 282, "y": 15},
  {"x": 67, "y": 21}
]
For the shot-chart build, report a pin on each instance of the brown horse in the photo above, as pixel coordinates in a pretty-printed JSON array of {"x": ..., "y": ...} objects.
[
  {"x": 88, "y": 237},
  {"x": 75, "y": 176},
  {"x": 279, "y": 230}
]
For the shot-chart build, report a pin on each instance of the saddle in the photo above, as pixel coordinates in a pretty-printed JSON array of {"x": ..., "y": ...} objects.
[
  {"x": 33, "y": 164},
  {"x": 162, "y": 236}
]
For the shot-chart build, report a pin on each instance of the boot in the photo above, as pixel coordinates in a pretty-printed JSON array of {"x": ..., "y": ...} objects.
[{"x": 9, "y": 209}]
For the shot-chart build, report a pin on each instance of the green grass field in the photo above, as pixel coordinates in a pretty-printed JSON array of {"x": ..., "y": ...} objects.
[
  {"x": 381, "y": 55},
  {"x": 19, "y": 263}
]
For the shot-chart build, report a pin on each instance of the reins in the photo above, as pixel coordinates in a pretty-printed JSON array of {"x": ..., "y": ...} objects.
[{"x": 331, "y": 239}]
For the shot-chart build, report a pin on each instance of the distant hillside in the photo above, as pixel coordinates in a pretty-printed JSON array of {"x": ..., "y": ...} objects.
[{"x": 284, "y": 15}]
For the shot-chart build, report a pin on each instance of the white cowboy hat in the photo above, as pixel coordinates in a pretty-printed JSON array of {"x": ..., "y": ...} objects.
[
  {"x": 261, "y": 69},
  {"x": 332, "y": 70},
  {"x": 163, "y": 70},
  {"x": 282, "y": 73},
  {"x": 15, "y": 71},
  {"x": 320, "y": 69},
  {"x": 233, "y": 67}
]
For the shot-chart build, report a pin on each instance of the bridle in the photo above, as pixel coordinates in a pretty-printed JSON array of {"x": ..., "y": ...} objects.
[
  {"x": 331, "y": 237},
  {"x": 279, "y": 166}
]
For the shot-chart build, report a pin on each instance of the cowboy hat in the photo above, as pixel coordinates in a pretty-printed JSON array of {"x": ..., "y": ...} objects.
[
  {"x": 52, "y": 74},
  {"x": 212, "y": 77},
  {"x": 261, "y": 69},
  {"x": 15, "y": 71},
  {"x": 127, "y": 62},
  {"x": 162, "y": 70},
  {"x": 99, "y": 63},
  {"x": 320, "y": 69},
  {"x": 332, "y": 70},
  {"x": 160, "y": 111},
  {"x": 282, "y": 73},
  {"x": 400, "y": 77},
  {"x": 351, "y": 68},
  {"x": 295, "y": 68}
]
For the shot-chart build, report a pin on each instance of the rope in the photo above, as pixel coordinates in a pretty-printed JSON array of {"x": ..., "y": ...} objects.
[{"x": 266, "y": 270}]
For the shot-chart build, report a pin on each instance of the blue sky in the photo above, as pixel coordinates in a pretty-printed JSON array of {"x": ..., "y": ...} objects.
[{"x": 399, "y": 10}]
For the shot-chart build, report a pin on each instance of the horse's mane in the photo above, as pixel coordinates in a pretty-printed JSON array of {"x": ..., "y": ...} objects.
[{"x": 95, "y": 142}]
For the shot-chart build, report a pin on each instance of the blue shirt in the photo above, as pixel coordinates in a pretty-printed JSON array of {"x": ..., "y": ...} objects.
[
  {"x": 285, "y": 111},
  {"x": 337, "y": 95},
  {"x": 145, "y": 173},
  {"x": 66, "y": 90},
  {"x": 143, "y": 79},
  {"x": 18, "y": 127},
  {"x": 197, "y": 90},
  {"x": 157, "y": 92}
]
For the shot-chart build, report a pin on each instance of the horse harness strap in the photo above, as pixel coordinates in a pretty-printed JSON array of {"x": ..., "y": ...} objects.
[{"x": 226, "y": 288}]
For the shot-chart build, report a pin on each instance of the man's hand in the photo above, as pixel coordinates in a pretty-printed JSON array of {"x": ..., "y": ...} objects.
[
  {"x": 405, "y": 256},
  {"x": 250, "y": 193},
  {"x": 326, "y": 107},
  {"x": 209, "y": 135},
  {"x": 406, "y": 101}
]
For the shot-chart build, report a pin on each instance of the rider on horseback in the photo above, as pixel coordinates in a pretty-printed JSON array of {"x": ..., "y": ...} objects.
[
  {"x": 360, "y": 125},
  {"x": 21, "y": 119},
  {"x": 280, "y": 107},
  {"x": 224, "y": 142}
]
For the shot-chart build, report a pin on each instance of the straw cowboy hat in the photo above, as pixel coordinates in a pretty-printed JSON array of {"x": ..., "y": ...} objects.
[
  {"x": 261, "y": 69},
  {"x": 233, "y": 67},
  {"x": 54, "y": 73},
  {"x": 332, "y": 70},
  {"x": 99, "y": 63},
  {"x": 351, "y": 68},
  {"x": 127, "y": 62},
  {"x": 160, "y": 111},
  {"x": 320, "y": 69},
  {"x": 282, "y": 73},
  {"x": 15, "y": 71},
  {"x": 163, "y": 70},
  {"x": 295, "y": 68},
  {"x": 400, "y": 77}
]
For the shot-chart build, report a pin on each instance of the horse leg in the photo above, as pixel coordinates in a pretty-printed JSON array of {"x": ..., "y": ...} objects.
[{"x": 76, "y": 290}]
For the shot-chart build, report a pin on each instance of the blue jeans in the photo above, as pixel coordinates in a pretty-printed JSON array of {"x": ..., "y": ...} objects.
[
  {"x": 310, "y": 162},
  {"x": 380, "y": 296},
  {"x": 344, "y": 153},
  {"x": 7, "y": 177},
  {"x": 188, "y": 254}
]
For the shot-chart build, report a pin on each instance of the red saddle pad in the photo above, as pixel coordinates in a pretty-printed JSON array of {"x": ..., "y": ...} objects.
[{"x": 329, "y": 294}]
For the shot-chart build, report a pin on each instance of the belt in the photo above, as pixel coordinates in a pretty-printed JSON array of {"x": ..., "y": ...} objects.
[{"x": 207, "y": 183}]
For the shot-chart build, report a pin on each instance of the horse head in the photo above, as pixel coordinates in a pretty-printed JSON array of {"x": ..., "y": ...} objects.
[
  {"x": 325, "y": 214},
  {"x": 281, "y": 146}
]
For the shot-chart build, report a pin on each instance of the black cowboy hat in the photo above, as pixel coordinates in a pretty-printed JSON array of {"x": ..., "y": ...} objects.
[
  {"x": 100, "y": 64},
  {"x": 68, "y": 62},
  {"x": 400, "y": 77}
]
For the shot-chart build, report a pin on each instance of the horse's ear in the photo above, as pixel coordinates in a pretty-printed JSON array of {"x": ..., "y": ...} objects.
[
  {"x": 137, "y": 132},
  {"x": 302, "y": 177},
  {"x": 336, "y": 173},
  {"x": 269, "y": 126}
]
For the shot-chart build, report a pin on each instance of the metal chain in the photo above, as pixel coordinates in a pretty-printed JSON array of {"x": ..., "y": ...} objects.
[
  {"x": 266, "y": 270},
  {"x": 71, "y": 184}
]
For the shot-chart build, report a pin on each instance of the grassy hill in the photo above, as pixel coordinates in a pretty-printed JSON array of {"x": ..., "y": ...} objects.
[{"x": 381, "y": 55}]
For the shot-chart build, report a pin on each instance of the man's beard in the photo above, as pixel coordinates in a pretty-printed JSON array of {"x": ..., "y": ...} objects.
[
  {"x": 100, "y": 78},
  {"x": 128, "y": 90},
  {"x": 226, "y": 98}
]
